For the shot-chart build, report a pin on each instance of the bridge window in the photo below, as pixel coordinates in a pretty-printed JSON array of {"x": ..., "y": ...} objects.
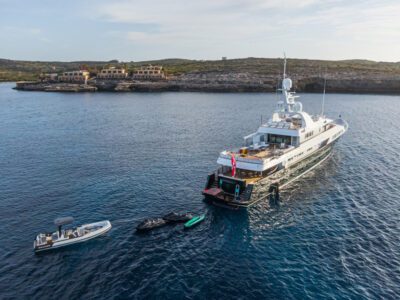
[
  {"x": 278, "y": 139},
  {"x": 309, "y": 134}
]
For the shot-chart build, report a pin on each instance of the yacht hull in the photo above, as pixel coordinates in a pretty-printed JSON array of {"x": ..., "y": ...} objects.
[{"x": 266, "y": 186}]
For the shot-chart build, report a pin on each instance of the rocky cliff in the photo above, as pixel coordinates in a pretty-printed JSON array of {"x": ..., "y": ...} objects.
[{"x": 237, "y": 75}]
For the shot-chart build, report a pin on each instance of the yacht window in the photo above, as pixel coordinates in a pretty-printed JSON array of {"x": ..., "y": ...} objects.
[
  {"x": 309, "y": 134},
  {"x": 278, "y": 139}
]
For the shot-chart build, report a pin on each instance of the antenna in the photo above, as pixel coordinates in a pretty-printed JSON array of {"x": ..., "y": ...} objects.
[
  {"x": 284, "y": 65},
  {"x": 323, "y": 98}
]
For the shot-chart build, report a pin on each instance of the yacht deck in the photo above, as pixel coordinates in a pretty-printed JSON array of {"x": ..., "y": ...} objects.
[
  {"x": 263, "y": 152},
  {"x": 248, "y": 177}
]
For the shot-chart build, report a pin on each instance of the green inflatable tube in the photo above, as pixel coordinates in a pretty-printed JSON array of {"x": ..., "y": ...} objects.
[{"x": 194, "y": 221}]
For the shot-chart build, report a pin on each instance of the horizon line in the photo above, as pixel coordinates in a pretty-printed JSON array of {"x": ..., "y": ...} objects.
[{"x": 198, "y": 60}]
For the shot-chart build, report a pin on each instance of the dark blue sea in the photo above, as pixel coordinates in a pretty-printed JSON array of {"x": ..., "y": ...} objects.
[{"x": 123, "y": 157}]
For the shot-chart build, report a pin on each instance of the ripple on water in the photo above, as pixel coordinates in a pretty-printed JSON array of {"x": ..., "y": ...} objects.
[{"x": 125, "y": 157}]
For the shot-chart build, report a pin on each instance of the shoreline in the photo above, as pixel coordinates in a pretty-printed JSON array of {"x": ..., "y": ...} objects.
[
  {"x": 245, "y": 75},
  {"x": 304, "y": 85}
]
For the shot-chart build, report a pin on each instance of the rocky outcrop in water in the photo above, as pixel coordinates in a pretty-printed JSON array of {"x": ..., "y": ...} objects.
[{"x": 54, "y": 87}]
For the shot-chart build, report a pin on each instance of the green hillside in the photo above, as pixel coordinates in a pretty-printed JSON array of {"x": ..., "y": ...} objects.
[{"x": 14, "y": 70}]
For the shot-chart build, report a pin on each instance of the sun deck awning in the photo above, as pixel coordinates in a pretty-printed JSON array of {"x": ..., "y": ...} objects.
[{"x": 63, "y": 221}]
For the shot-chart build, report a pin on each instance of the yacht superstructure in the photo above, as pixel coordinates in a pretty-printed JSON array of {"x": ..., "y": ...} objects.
[{"x": 289, "y": 145}]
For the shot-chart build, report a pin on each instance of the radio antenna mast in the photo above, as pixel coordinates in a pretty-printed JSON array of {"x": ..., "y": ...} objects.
[
  {"x": 323, "y": 98},
  {"x": 284, "y": 65}
]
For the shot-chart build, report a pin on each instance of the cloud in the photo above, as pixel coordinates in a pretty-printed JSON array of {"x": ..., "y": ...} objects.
[
  {"x": 215, "y": 22},
  {"x": 178, "y": 11},
  {"x": 20, "y": 30},
  {"x": 373, "y": 23},
  {"x": 133, "y": 29},
  {"x": 23, "y": 33},
  {"x": 254, "y": 27}
]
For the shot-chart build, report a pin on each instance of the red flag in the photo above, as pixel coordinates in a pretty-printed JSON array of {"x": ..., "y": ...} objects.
[{"x": 233, "y": 163}]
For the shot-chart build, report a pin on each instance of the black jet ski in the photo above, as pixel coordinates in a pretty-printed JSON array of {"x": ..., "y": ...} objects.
[
  {"x": 150, "y": 224},
  {"x": 174, "y": 217}
]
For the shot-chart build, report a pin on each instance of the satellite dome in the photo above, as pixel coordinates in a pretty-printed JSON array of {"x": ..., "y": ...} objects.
[
  {"x": 298, "y": 107},
  {"x": 287, "y": 84}
]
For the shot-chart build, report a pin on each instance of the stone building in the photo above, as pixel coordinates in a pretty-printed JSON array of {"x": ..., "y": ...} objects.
[
  {"x": 112, "y": 73},
  {"x": 149, "y": 73},
  {"x": 74, "y": 76},
  {"x": 48, "y": 77}
]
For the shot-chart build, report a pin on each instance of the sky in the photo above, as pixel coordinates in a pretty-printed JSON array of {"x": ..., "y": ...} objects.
[{"x": 136, "y": 30}]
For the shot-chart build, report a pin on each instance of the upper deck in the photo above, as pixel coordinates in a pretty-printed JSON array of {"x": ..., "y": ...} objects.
[
  {"x": 283, "y": 124},
  {"x": 264, "y": 151}
]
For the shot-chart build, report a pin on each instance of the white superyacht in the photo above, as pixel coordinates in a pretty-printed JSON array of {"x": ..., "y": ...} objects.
[{"x": 288, "y": 146}]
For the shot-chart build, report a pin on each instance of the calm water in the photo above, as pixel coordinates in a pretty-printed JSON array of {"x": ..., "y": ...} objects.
[{"x": 124, "y": 157}]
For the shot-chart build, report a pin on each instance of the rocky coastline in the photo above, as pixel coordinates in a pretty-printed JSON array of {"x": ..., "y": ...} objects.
[
  {"x": 235, "y": 76},
  {"x": 216, "y": 84}
]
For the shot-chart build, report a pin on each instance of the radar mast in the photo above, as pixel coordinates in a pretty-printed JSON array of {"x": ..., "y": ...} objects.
[{"x": 289, "y": 104}]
